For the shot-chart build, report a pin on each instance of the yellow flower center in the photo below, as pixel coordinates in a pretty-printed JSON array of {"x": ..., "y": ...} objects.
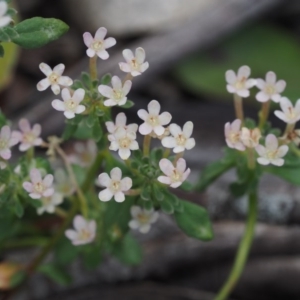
[
  {"x": 271, "y": 154},
  {"x": 97, "y": 45},
  {"x": 181, "y": 140},
  {"x": 39, "y": 187},
  {"x": 153, "y": 120},
  {"x": 176, "y": 176},
  {"x": 71, "y": 104},
  {"x": 143, "y": 218},
  {"x": 240, "y": 84},
  {"x": 234, "y": 137},
  {"x": 53, "y": 78},
  {"x": 3, "y": 144},
  {"x": 134, "y": 64},
  {"x": 124, "y": 142},
  {"x": 84, "y": 234},
  {"x": 270, "y": 89},
  {"x": 29, "y": 137},
  {"x": 118, "y": 94},
  {"x": 115, "y": 186}
]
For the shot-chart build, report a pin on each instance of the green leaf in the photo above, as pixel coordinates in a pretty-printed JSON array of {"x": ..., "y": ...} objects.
[
  {"x": 65, "y": 252},
  {"x": 97, "y": 130},
  {"x": 158, "y": 192},
  {"x": 4, "y": 176},
  {"x": 92, "y": 257},
  {"x": 37, "y": 32},
  {"x": 55, "y": 273},
  {"x": 86, "y": 79},
  {"x": 128, "y": 104},
  {"x": 17, "y": 207},
  {"x": 7, "y": 34},
  {"x": 69, "y": 131},
  {"x": 106, "y": 79},
  {"x": 77, "y": 84},
  {"x": 194, "y": 221},
  {"x": 289, "y": 174},
  {"x": 146, "y": 193},
  {"x": 128, "y": 251},
  {"x": 186, "y": 186},
  {"x": 91, "y": 120},
  {"x": 166, "y": 206},
  {"x": 80, "y": 173}
]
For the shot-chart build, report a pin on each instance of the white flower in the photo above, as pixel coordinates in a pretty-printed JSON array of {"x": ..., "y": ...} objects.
[
  {"x": 115, "y": 185},
  {"x": 54, "y": 78},
  {"x": 4, "y": 19},
  {"x": 49, "y": 203},
  {"x": 153, "y": 120},
  {"x": 270, "y": 89},
  {"x": 117, "y": 94},
  {"x": 233, "y": 135},
  {"x": 39, "y": 187},
  {"x": 84, "y": 233},
  {"x": 71, "y": 104},
  {"x": 98, "y": 45},
  {"x": 120, "y": 123},
  {"x": 142, "y": 218},
  {"x": 271, "y": 154},
  {"x": 289, "y": 113},
  {"x": 180, "y": 139},
  {"x": 7, "y": 140},
  {"x": 29, "y": 137},
  {"x": 63, "y": 183},
  {"x": 85, "y": 154},
  {"x": 250, "y": 137},
  {"x": 175, "y": 176},
  {"x": 239, "y": 84},
  {"x": 123, "y": 142},
  {"x": 134, "y": 64}
]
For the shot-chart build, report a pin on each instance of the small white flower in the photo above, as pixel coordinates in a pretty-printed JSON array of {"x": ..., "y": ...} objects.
[
  {"x": 180, "y": 139},
  {"x": 271, "y": 154},
  {"x": 142, "y": 218},
  {"x": 39, "y": 187},
  {"x": 4, "y": 19},
  {"x": 117, "y": 94},
  {"x": 29, "y": 137},
  {"x": 239, "y": 84},
  {"x": 134, "y": 64},
  {"x": 49, "y": 203},
  {"x": 270, "y": 89},
  {"x": 71, "y": 104},
  {"x": 233, "y": 135},
  {"x": 84, "y": 233},
  {"x": 250, "y": 137},
  {"x": 120, "y": 123},
  {"x": 54, "y": 78},
  {"x": 98, "y": 45},
  {"x": 7, "y": 140},
  {"x": 63, "y": 184},
  {"x": 289, "y": 113},
  {"x": 85, "y": 154},
  {"x": 123, "y": 142},
  {"x": 115, "y": 185},
  {"x": 175, "y": 176},
  {"x": 153, "y": 120}
]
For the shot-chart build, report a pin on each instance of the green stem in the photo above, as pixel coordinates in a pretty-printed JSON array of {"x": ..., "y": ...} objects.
[
  {"x": 251, "y": 158},
  {"x": 25, "y": 242},
  {"x": 146, "y": 145},
  {"x": 243, "y": 250},
  {"x": 93, "y": 67},
  {"x": 264, "y": 114},
  {"x": 238, "y": 105}
]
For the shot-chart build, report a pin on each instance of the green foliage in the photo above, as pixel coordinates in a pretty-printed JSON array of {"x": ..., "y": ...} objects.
[
  {"x": 92, "y": 256},
  {"x": 1, "y": 51},
  {"x": 65, "y": 252},
  {"x": 106, "y": 79},
  {"x": 194, "y": 221},
  {"x": 128, "y": 104},
  {"x": 56, "y": 273}
]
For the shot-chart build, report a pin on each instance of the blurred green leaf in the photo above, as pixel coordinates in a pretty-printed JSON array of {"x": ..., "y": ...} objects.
[
  {"x": 106, "y": 79},
  {"x": 56, "y": 273},
  {"x": 128, "y": 104}
]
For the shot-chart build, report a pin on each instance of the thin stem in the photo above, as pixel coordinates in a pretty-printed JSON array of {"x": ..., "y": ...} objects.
[
  {"x": 146, "y": 145},
  {"x": 288, "y": 129},
  {"x": 243, "y": 250},
  {"x": 30, "y": 154},
  {"x": 251, "y": 158},
  {"x": 93, "y": 67},
  {"x": 264, "y": 114},
  {"x": 166, "y": 153},
  {"x": 238, "y": 105},
  {"x": 60, "y": 212},
  {"x": 81, "y": 197},
  {"x": 178, "y": 155},
  {"x": 127, "y": 77},
  {"x": 133, "y": 192}
]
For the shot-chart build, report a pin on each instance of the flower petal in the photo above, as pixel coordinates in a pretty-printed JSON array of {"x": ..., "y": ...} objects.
[
  {"x": 105, "y": 195},
  {"x": 181, "y": 165},
  {"x": 59, "y": 69},
  {"x": 128, "y": 55},
  {"x": 263, "y": 161},
  {"x": 271, "y": 77},
  {"x": 79, "y": 222},
  {"x": 78, "y": 95},
  {"x": 262, "y": 96},
  {"x": 166, "y": 166},
  {"x": 103, "y": 54},
  {"x": 188, "y": 129},
  {"x": 58, "y": 105},
  {"x": 119, "y": 197},
  {"x": 100, "y": 34},
  {"x": 116, "y": 174},
  {"x": 48, "y": 180},
  {"x": 244, "y": 71},
  {"x": 145, "y": 128},
  {"x": 153, "y": 107},
  {"x": 271, "y": 142},
  {"x": 230, "y": 77},
  {"x": 106, "y": 91},
  {"x": 109, "y": 42},
  {"x": 126, "y": 184},
  {"x": 45, "y": 69},
  {"x": 43, "y": 84},
  {"x": 104, "y": 179},
  {"x": 88, "y": 39}
]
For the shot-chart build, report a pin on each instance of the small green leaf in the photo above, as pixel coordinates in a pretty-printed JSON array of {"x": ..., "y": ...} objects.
[
  {"x": 158, "y": 192},
  {"x": 289, "y": 174},
  {"x": 128, "y": 104},
  {"x": 77, "y": 84},
  {"x": 106, "y": 79},
  {"x": 146, "y": 193},
  {"x": 86, "y": 79},
  {"x": 166, "y": 206},
  {"x": 97, "y": 130},
  {"x": 187, "y": 186},
  {"x": 18, "y": 207},
  {"x": 91, "y": 120},
  {"x": 92, "y": 257},
  {"x": 148, "y": 205},
  {"x": 55, "y": 273},
  {"x": 194, "y": 221},
  {"x": 11, "y": 12}
]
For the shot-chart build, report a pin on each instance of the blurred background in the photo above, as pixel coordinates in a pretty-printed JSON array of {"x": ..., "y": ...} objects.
[{"x": 189, "y": 45}]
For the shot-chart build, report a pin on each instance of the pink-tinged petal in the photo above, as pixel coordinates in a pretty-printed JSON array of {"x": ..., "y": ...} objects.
[
  {"x": 120, "y": 133},
  {"x": 125, "y": 67},
  {"x": 4, "y": 21},
  {"x": 236, "y": 125},
  {"x": 100, "y": 34},
  {"x": 57, "y": 198},
  {"x": 124, "y": 153},
  {"x": 169, "y": 142},
  {"x": 153, "y": 107},
  {"x": 178, "y": 149},
  {"x": 65, "y": 94},
  {"x": 276, "y": 98},
  {"x": 80, "y": 109},
  {"x": 105, "y": 195},
  {"x": 132, "y": 127},
  {"x": 261, "y": 150},
  {"x": 24, "y": 125},
  {"x": 127, "y": 86},
  {"x": 35, "y": 196},
  {"x": 106, "y": 91},
  {"x": 65, "y": 81},
  {"x": 79, "y": 222},
  {"x": 175, "y": 130},
  {"x": 135, "y": 73},
  {"x": 43, "y": 84},
  {"x": 277, "y": 162},
  {"x": 279, "y": 114},
  {"x": 282, "y": 150},
  {"x": 116, "y": 174},
  {"x": 49, "y": 192},
  {"x": 159, "y": 130},
  {"x": 35, "y": 175},
  {"x": 71, "y": 234},
  {"x": 164, "y": 179},
  {"x": 227, "y": 129},
  {"x": 87, "y": 39},
  {"x": 154, "y": 217},
  {"x": 45, "y": 69},
  {"x": 109, "y": 42},
  {"x": 175, "y": 185},
  {"x": 262, "y": 96},
  {"x": 121, "y": 119},
  {"x": 58, "y": 105},
  {"x": 244, "y": 71},
  {"x": 38, "y": 142},
  {"x": 143, "y": 114},
  {"x": 260, "y": 83},
  {"x": 285, "y": 104},
  {"x": 15, "y": 138},
  {"x": 230, "y": 77},
  {"x": 144, "y": 66},
  {"x": 271, "y": 142},
  {"x": 145, "y": 128},
  {"x": 110, "y": 126},
  {"x": 140, "y": 55},
  {"x": 280, "y": 86},
  {"x": 5, "y": 132},
  {"x": 166, "y": 166},
  {"x": 190, "y": 143},
  {"x": 263, "y": 161},
  {"x": 119, "y": 197},
  {"x": 128, "y": 55},
  {"x": 104, "y": 179},
  {"x": 55, "y": 89},
  {"x": 181, "y": 165},
  {"x": 243, "y": 93},
  {"x": 239, "y": 146},
  {"x": 5, "y": 154},
  {"x": 116, "y": 83},
  {"x": 103, "y": 54},
  {"x": 126, "y": 184},
  {"x": 90, "y": 52},
  {"x": 230, "y": 89},
  {"x": 27, "y": 186},
  {"x": 48, "y": 180},
  {"x": 134, "y": 224},
  {"x": 271, "y": 77},
  {"x": 134, "y": 145},
  {"x": 69, "y": 114},
  {"x": 164, "y": 118},
  {"x": 145, "y": 228},
  {"x": 36, "y": 129},
  {"x": 24, "y": 147},
  {"x": 114, "y": 146},
  {"x": 59, "y": 69},
  {"x": 186, "y": 174},
  {"x": 188, "y": 129}
]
